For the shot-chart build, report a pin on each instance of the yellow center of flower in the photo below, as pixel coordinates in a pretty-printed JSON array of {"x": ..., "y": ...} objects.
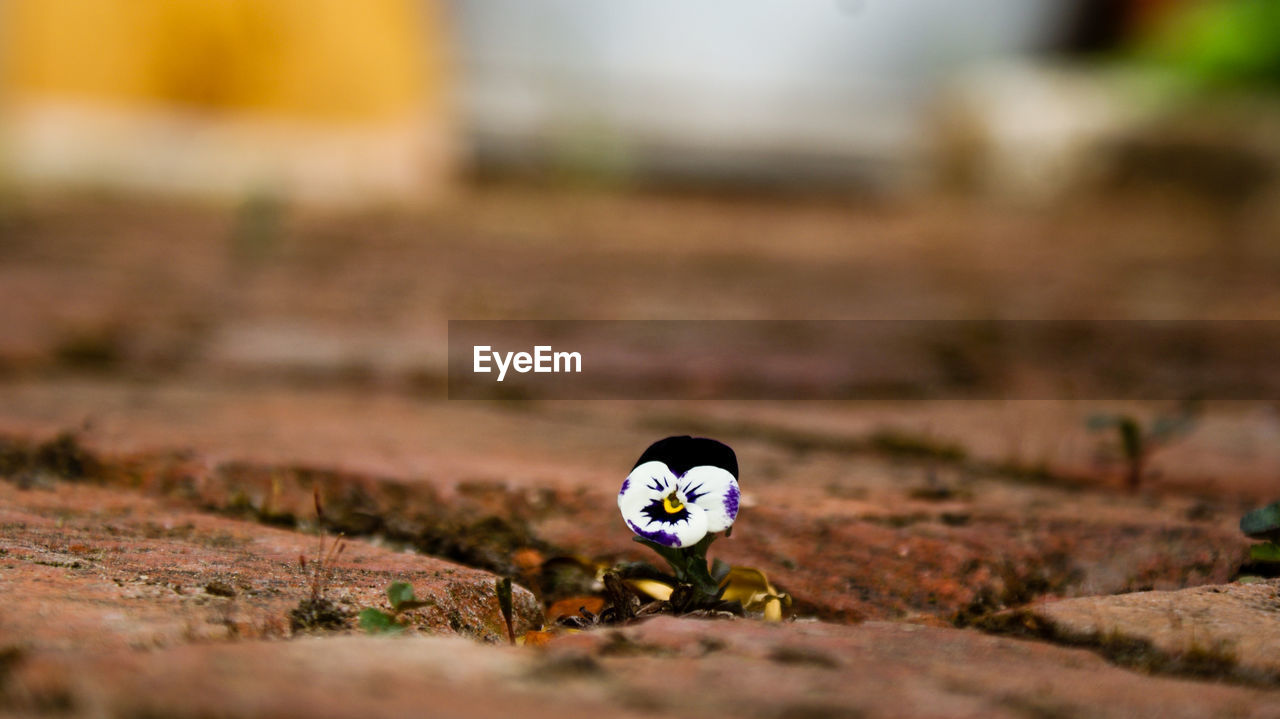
[{"x": 672, "y": 504}]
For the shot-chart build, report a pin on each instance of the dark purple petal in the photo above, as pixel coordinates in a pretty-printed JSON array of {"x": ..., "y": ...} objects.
[
  {"x": 625, "y": 483},
  {"x": 666, "y": 539},
  {"x": 731, "y": 502}
]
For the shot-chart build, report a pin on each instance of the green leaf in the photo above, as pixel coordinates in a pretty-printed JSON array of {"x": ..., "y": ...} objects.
[
  {"x": 1262, "y": 523},
  {"x": 719, "y": 570},
  {"x": 1265, "y": 552},
  {"x": 376, "y": 621},
  {"x": 400, "y": 593}
]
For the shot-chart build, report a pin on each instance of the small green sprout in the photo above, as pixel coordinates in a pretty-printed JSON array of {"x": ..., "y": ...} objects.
[
  {"x": 401, "y": 598},
  {"x": 1138, "y": 442}
]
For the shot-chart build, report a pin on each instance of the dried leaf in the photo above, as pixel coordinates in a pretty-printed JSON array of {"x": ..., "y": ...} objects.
[
  {"x": 751, "y": 588},
  {"x": 572, "y": 606},
  {"x": 773, "y": 609},
  {"x": 623, "y": 602},
  {"x": 528, "y": 560},
  {"x": 535, "y": 638},
  {"x": 651, "y": 588}
]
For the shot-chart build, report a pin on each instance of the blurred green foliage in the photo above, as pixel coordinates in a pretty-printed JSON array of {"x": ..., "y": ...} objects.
[
  {"x": 1265, "y": 552},
  {"x": 376, "y": 621},
  {"x": 1264, "y": 524},
  {"x": 1219, "y": 43}
]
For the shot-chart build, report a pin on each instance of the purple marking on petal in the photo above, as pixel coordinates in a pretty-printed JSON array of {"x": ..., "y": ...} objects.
[
  {"x": 667, "y": 539},
  {"x": 625, "y": 483},
  {"x": 731, "y": 502}
]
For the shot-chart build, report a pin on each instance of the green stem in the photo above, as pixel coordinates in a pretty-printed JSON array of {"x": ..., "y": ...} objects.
[{"x": 689, "y": 565}]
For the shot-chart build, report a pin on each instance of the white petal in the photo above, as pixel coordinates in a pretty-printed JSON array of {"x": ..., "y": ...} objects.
[
  {"x": 715, "y": 491},
  {"x": 683, "y": 533}
]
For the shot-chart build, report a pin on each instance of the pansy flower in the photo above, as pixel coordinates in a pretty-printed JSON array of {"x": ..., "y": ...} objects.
[{"x": 681, "y": 489}]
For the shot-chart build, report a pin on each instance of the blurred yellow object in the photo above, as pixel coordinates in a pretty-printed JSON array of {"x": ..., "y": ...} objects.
[
  {"x": 745, "y": 585},
  {"x": 326, "y": 99},
  {"x": 751, "y": 588},
  {"x": 651, "y": 588}
]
